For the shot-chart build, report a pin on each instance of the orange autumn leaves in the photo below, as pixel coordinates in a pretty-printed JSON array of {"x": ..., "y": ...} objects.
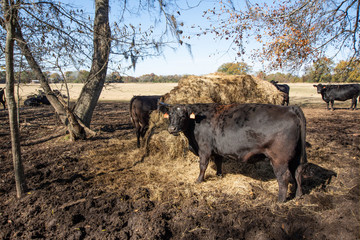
[{"x": 289, "y": 33}]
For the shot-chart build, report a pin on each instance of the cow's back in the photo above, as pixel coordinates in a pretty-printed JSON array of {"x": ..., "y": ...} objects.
[
  {"x": 243, "y": 126},
  {"x": 141, "y": 106},
  {"x": 341, "y": 92}
]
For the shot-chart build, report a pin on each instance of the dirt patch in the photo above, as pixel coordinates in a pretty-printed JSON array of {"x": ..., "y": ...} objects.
[{"x": 103, "y": 188}]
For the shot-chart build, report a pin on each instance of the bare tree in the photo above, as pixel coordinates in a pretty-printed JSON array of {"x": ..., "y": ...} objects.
[
  {"x": 10, "y": 16},
  {"x": 92, "y": 89},
  {"x": 54, "y": 30}
]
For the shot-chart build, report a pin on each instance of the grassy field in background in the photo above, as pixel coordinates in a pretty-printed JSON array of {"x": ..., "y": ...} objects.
[{"x": 303, "y": 94}]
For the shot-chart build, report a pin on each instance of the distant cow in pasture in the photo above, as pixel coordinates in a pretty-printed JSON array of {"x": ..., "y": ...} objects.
[
  {"x": 283, "y": 88},
  {"x": 2, "y": 97},
  {"x": 342, "y": 92},
  {"x": 140, "y": 109},
  {"x": 37, "y": 99},
  {"x": 240, "y": 131}
]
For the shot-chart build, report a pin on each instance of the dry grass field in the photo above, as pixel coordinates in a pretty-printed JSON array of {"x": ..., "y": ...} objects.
[
  {"x": 124, "y": 91},
  {"x": 111, "y": 92},
  {"x": 303, "y": 94}
]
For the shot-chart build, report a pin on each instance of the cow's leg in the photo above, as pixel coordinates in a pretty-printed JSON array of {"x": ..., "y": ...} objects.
[
  {"x": 332, "y": 105},
  {"x": 283, "y": 176},
  {"x": 298, "y": 172},
  {"x": 143, "y": 131},
  {"x": 204, "y": 162},
  {"x": 138, "y": 133},
  {"x": 218, "y": 163},
  {"x": 353, "y": 103},
  {"x": 327, "y": 106}
]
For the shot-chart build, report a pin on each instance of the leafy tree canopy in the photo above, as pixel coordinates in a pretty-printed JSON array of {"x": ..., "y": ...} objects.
[
  {"x": 236, "y": 68},
  {"x": 346, "y": 71},
  {"x": 290, "y": 33}
]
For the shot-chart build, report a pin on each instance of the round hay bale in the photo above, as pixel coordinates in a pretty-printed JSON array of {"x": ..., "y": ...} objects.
[
  {"x": 224, "y": 89},
  {"x": 213, "y": 88}
]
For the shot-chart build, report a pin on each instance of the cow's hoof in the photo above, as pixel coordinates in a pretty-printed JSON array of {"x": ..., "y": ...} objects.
[{"x": 199, "y": 181}]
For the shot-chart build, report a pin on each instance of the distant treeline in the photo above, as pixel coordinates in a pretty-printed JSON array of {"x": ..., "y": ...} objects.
[
  {"x": 81, "y": 76},
  {"x": 322, "y": 71}
]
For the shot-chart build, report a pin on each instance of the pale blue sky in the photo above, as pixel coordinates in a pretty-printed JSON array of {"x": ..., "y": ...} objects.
[{"x": 207, "y": 54}]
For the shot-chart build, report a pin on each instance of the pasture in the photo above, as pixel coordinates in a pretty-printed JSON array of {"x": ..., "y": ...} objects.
[{"x": 106, "y": 188}]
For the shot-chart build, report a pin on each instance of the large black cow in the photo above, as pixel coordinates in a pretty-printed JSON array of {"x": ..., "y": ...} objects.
[
  {"x": 241, "y": 131},
  {"x": 343, "y": 92},
  {"x": 2, "y": 97},
  {"x": 140, "y": 109},
  {"x": 283, "y": 88}
]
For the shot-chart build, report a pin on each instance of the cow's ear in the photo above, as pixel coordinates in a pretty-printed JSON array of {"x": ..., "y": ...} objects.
[
  {"x": 163, "y": 107},
  {"x": 192, "y": 116},
  {"x": 166, "y": 115}
]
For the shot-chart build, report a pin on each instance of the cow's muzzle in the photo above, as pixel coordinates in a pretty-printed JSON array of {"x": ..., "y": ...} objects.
[{"x": 173, "y": 130}]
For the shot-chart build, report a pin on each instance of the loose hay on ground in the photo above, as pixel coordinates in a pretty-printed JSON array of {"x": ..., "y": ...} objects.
[
  {"x": 170, "y": 154},
  {"x": 166, "y": 164}
]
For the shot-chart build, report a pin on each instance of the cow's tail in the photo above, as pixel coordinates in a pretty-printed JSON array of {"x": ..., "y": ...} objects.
[
  {"x": 130, "y": 110},
  {"x": 300, "y": 114}
]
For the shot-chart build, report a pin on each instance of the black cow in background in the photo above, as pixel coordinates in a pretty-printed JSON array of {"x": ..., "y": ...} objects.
[
  {"x": 140, "y": 109},
  {"x": 240, "y": 131},
  {"x": 283, "y": 88},
  {"x": 37, "y": 99},
  {"x": 2, "y": 97},
  {"x": 342, "y": 92}
]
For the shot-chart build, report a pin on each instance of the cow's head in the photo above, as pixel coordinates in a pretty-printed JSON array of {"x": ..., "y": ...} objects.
[
  {"x": 178, "y": 116},
  {"x": 319, "y": 87}
]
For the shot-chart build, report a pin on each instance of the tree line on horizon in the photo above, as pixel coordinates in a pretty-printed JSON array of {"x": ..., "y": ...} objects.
[{"x": 323, "y": 70}]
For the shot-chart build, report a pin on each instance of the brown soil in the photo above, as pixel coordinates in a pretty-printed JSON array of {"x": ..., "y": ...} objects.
[{"x": 102, "y": 188}]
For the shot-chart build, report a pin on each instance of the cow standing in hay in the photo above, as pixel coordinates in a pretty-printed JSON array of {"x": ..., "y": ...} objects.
[
  {"x": 140, "y": 109},
  {"x": 283, "y": 88},
  {"x": 241, "y": 131}
]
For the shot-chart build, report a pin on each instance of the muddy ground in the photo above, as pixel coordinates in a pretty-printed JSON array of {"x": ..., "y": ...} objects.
[{"x": 101, "y": 188}]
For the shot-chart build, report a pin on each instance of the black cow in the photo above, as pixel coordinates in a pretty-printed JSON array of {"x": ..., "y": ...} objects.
[
  {"x": 37, "y": 100},
  {"x": 2, "y": 97},
  {"x": 140, "y": 109},
  {"x": 240, "y": 131},
  {"x": 283, "y": 88},
  {"x": 343, "y": 92}
]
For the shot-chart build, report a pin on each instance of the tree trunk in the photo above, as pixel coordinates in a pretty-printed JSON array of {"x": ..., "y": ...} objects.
[
  {"x": 75, "y": 129},
  {"x": 10, "y": 15},
  {"x": 91, "y": 91},
  {"x": 78, "y": 119}
]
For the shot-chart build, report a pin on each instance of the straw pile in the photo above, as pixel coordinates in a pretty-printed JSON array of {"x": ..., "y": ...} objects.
[
  {"x": 225, "y": 89},
  {"x": 214, "y": 88}
]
